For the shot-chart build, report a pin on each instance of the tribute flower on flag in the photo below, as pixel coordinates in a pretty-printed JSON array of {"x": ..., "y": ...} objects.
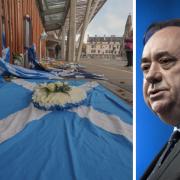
[{"x": 57, "y": 96}]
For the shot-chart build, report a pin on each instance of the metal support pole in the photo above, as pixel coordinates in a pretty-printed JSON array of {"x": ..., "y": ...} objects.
[
  {"x": 72, "y": 31},
  {"x": 91, "y": 15},
  {"x": 87, "y": 19},
  {"x": 67, "y": 47},
  {"x": 63, "y": 44}
]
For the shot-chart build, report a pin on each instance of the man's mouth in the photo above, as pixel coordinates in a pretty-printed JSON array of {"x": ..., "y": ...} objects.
[{"x": 156, "y": 94}]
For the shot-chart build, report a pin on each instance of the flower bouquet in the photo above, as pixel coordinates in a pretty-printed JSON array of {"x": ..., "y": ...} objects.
[{"x": 57, "y": 96}]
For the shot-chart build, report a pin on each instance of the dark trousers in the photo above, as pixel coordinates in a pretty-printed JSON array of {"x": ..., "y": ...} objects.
[{"x": 129, "y": 55}]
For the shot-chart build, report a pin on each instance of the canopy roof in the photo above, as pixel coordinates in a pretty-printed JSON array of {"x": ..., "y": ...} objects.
[{"x": 55, "y": 13}]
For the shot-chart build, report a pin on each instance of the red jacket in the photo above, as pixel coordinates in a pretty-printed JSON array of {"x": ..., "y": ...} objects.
[{"x": 128, "y": 44}]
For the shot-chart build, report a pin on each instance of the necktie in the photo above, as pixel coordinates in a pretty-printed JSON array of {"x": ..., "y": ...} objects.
[{"x": 171, "y": 143}]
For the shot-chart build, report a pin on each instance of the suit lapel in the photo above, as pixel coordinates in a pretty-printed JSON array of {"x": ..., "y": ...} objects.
[
  {"x": 153, "y": 164},
  {"x": 167, "y": 161}
]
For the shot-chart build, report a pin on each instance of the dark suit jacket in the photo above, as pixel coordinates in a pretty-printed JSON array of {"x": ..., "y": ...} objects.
[{"x": 170, "y": 168}]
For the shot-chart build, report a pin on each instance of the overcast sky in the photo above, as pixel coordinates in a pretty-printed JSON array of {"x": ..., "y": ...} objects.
[{"x": 111, "y": 18}]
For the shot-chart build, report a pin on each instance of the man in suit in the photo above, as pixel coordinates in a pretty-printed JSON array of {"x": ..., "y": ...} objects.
[{"x": 161, "y": 88}]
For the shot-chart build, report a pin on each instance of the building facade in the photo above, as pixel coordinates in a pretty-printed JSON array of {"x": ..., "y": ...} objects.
[{"x": 103, "y": 47}]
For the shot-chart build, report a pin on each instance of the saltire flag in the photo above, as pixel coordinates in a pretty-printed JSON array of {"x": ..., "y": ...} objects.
[{"x": 89, "y": 142}]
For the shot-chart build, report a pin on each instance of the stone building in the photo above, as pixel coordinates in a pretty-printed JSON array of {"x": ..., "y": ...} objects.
[
  {"x": 128, "y": 26},
  {"x": 103, "y": 47}
]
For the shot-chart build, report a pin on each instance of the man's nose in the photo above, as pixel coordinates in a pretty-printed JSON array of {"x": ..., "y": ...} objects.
[{"x": 154, "y": 74}]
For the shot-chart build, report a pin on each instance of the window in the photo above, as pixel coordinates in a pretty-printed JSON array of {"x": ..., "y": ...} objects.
[{"x": 93, "y": 51}]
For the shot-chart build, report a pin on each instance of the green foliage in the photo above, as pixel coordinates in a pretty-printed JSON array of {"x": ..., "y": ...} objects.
[
  {"x": 57, "y": 87},
  {"x": 18, "y": 59},
  {"x": 65, "y": 88}
]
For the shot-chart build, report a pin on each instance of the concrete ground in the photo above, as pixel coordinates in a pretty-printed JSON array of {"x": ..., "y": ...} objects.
[{"x": 119, "y": 77}]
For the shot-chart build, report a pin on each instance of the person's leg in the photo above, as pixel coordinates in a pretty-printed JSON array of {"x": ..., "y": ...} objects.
[
  {"x": 128, "y": 58},
  {"x": 131, "y": 58}
]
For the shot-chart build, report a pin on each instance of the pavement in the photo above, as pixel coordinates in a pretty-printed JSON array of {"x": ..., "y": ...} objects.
[{"x": 119, "y": 77}]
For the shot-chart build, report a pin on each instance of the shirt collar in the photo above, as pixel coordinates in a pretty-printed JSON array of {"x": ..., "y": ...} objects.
[{"x": 176, "y": 129}]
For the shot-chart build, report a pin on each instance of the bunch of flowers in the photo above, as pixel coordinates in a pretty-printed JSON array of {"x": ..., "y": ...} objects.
[{"x": 57, "y": 96}]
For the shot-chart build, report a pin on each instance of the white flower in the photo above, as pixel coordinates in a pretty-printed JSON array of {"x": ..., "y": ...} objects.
[
  {"x": 50, "y": 99},
  {"x": 51, "y": 87}
]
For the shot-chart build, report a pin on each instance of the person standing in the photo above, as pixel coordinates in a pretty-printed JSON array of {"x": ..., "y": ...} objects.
[
  {"x": 57, "y": 51},
  {"x": 128, "y": 46}
]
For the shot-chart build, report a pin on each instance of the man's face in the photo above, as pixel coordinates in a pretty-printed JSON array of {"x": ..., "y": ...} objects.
[{"x": 161, "y": 69}]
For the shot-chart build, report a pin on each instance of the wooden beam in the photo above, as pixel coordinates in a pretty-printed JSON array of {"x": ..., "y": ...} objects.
[{"x": 0, "y": 28}]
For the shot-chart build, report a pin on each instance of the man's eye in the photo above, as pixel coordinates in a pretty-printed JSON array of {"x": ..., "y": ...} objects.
[
  {"x": 166, "y": 63},
  {"x": 165, "y": 60},
  {"x": 145, "y": 67}
]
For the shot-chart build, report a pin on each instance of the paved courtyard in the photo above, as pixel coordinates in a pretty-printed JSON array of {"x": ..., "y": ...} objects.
[{"x": 119, "y": 77}]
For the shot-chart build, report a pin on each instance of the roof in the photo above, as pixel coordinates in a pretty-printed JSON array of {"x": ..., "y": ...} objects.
[
  {"x": 55, "y": 13},
  {"x": 52, "y": 13},
  {"x": 104, "y": 39}
]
